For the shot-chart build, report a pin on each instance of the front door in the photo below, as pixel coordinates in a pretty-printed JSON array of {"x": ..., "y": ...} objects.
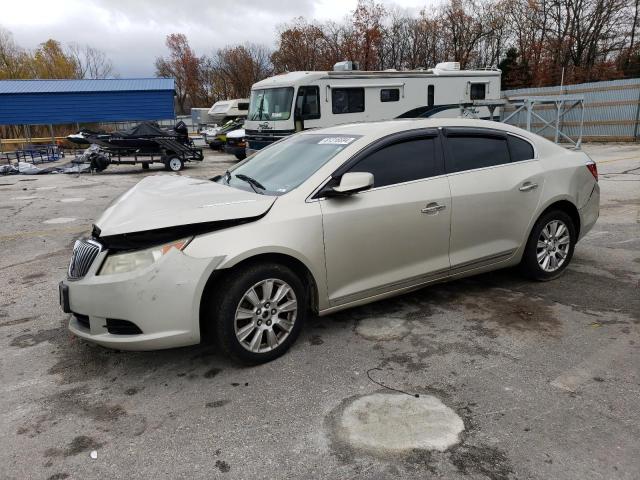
[{"x": 396, "y": 234}]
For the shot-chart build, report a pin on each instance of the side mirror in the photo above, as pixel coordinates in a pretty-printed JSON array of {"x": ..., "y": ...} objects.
[{"x": 354, "y": 182}]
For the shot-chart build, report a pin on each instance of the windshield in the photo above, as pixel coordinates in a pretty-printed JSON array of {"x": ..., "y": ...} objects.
[
  {"x": 271, "y": 104},
  {"x": 284, "y": 165}
]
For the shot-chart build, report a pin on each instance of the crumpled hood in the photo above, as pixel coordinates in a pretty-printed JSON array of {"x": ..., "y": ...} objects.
[{"x": 163, "y": 201}]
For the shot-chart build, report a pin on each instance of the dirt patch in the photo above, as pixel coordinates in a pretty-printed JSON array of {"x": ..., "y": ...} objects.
[
  {"x": 223, "y": 466},
  {"x": 316, "y": 340},
  {"x": 27, "y": 340},
  {"x": 18, "y": 321},
  {"x": 485, "y": 460},
  {"x": 78, "y": 445},
  {"x": 33, "y": 276},
  {"x": 217, "y": 403},
  {"x": 212, "y": 373}
]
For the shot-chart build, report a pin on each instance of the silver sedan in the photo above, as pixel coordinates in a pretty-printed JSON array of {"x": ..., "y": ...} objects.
[{"x": 322, "y": 221}]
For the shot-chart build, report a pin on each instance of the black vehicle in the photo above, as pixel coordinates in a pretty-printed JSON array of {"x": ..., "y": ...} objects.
[
  {"x": 148, "y": 143},
  {"x": 141, "y": 138}
]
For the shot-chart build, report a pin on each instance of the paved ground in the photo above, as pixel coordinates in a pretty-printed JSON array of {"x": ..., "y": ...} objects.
[{"x": 544, "y": 376}]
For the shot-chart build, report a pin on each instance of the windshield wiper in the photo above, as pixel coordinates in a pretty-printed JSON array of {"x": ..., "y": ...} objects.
[{"x": 255, "y": 184}]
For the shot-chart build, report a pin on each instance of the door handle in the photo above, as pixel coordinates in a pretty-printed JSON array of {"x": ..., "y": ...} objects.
[
  {"x": 433, "y": 208},
  {"x": 526, "y": 186}
]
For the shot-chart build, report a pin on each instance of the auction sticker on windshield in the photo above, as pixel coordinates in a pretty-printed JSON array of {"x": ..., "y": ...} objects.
[{"x": 336, "y": 141}]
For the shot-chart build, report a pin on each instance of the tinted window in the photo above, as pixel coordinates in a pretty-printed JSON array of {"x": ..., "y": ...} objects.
[
  {"x": 430, "y": 95},
  {"x": 400, "y": 162},
  {"x": 477, "y": 91},
  {"x": 389, "y": 95},
  {"x": 469, "y": 152},
  {"x": 347, "y": 100},
  {"x": 520, "y": 149},
  {"x": 243, "y": 105}
]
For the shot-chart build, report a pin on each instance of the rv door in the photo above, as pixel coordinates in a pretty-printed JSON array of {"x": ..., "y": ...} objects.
[{"x": 307, "y": 105}]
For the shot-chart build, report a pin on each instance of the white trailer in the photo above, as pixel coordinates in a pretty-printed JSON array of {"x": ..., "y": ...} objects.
[
  {"x": 225, "y": 110},
  {"x": 287, "y": 103}
]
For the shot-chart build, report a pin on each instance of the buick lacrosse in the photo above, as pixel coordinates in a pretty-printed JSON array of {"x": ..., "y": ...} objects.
[{"x": 321, "y": 221}]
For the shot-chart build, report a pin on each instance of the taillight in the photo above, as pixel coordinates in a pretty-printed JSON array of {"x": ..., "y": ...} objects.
[{"x": 593, "y": 168}]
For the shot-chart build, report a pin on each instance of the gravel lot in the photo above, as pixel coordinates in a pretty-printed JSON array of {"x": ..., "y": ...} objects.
[{"x": 545, "y": 376}]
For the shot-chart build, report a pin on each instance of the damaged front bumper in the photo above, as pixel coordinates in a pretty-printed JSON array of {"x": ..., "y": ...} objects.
[{"x": 152, "y": 308}]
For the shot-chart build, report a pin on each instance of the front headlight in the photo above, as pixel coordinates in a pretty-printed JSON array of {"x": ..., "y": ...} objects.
[{"x": 130, "y": 261}]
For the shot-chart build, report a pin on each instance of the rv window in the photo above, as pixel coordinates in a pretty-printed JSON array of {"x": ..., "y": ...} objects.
[
  {"x": 430, "y": 96},
  {"x": 389, "y": 94},
  {"x": 347, "y": 100},
  {"x": 243, "y": 106},
  {"x": 401, "y": 162},
  {"x": 520, "y": 149},
  {"x": 477, "y": 91},
  {"x": 471, "y": 152},
  {"x": 308, "y": 102}
]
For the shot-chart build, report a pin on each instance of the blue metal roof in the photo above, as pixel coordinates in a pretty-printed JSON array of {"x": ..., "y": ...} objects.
[{"x": 83, "y": 86}]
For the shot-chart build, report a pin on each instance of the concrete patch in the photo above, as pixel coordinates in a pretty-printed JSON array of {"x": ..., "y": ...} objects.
[
  {"x": 396, "y": 423},
  {"x": 60, "y": 220},
  {"x": 382, "y": 328},
  {"x": 73, "y": 200}
]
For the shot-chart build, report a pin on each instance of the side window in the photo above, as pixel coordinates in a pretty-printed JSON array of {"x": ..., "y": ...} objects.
[
  {"x": 401, "y": 162},
  {"x": 347, "y": 100},
  {"x": 520, "y": 149},
  {"x": 477, "y": 91},
  {"x": 470, "y": 152},
  {"x": 308, "y": 102},
  {"x": 430, "y": 95},
  {"x": 389, "y": 95}
]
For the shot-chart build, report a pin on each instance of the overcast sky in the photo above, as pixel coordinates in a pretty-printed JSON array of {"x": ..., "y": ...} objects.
[{"x": 132, "y": 32}]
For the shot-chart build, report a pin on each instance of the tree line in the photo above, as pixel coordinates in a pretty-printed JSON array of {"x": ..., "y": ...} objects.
[
  {"x": 534, "y": 42},
  {"x": 51, "y": 60}
]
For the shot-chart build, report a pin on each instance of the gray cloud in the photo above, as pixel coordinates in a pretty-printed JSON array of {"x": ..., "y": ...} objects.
[{"x": 132, "y": 33}]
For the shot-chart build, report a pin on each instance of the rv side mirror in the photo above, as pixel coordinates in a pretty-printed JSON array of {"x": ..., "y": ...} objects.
[{"x": 354, "y": 182}]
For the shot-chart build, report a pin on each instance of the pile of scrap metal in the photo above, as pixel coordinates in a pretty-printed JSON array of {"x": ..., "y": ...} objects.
[{"x": 92, "y": 160}]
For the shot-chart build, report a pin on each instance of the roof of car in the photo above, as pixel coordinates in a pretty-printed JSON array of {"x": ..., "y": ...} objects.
[{"x": 398, "y": 125}]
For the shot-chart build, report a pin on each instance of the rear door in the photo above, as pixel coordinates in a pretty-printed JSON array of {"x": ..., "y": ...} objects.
[
  {"x": 496, "y": 184},
  {"x": 396, "y": 234}
]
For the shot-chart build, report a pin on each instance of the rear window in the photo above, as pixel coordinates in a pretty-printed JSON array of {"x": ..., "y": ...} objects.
[
  {"x": 471, "y": 152},
  {"x": 520, "y": 149},
  {"x": 389, "y": 95}
]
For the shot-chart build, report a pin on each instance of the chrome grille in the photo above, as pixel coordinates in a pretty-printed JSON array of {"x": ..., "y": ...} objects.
[{"x": 84, "y": 253}]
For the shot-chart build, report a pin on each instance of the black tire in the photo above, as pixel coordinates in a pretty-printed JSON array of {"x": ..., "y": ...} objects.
[
  {"x": 241, "y": 156},
  {"x": 145, "y": 165},
  {"x": 174, "y": 164},
  {"x": 222, "y": 310},
  {"x": 529, "y": 264}
]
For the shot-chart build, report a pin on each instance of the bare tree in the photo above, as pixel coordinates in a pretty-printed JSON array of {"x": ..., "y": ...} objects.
[{"x": 91, "y": 62}]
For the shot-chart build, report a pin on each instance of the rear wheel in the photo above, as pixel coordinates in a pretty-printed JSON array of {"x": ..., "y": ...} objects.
[
  {"x": 241, "y": 156},
  {"x": 260, "y": 315},
  {"x": 550, "y": 246}
]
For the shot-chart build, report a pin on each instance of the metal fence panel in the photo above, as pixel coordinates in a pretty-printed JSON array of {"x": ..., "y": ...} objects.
[{"x": 611, "y": 109}]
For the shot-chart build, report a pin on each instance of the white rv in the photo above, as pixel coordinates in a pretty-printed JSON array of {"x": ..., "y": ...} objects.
[
  {"x": 225, "y": 110},
  {"x": 285, "y": 104}
]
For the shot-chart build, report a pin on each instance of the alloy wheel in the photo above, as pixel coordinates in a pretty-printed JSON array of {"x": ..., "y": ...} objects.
[
  {"x": 265, "y": 315},
  {"x": 553, "y": 246}
]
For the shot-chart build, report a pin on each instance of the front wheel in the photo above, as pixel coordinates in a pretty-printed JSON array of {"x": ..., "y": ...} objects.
[
  {"x": 550, "y": 246},
  {"x": 260, "y": 315}
]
